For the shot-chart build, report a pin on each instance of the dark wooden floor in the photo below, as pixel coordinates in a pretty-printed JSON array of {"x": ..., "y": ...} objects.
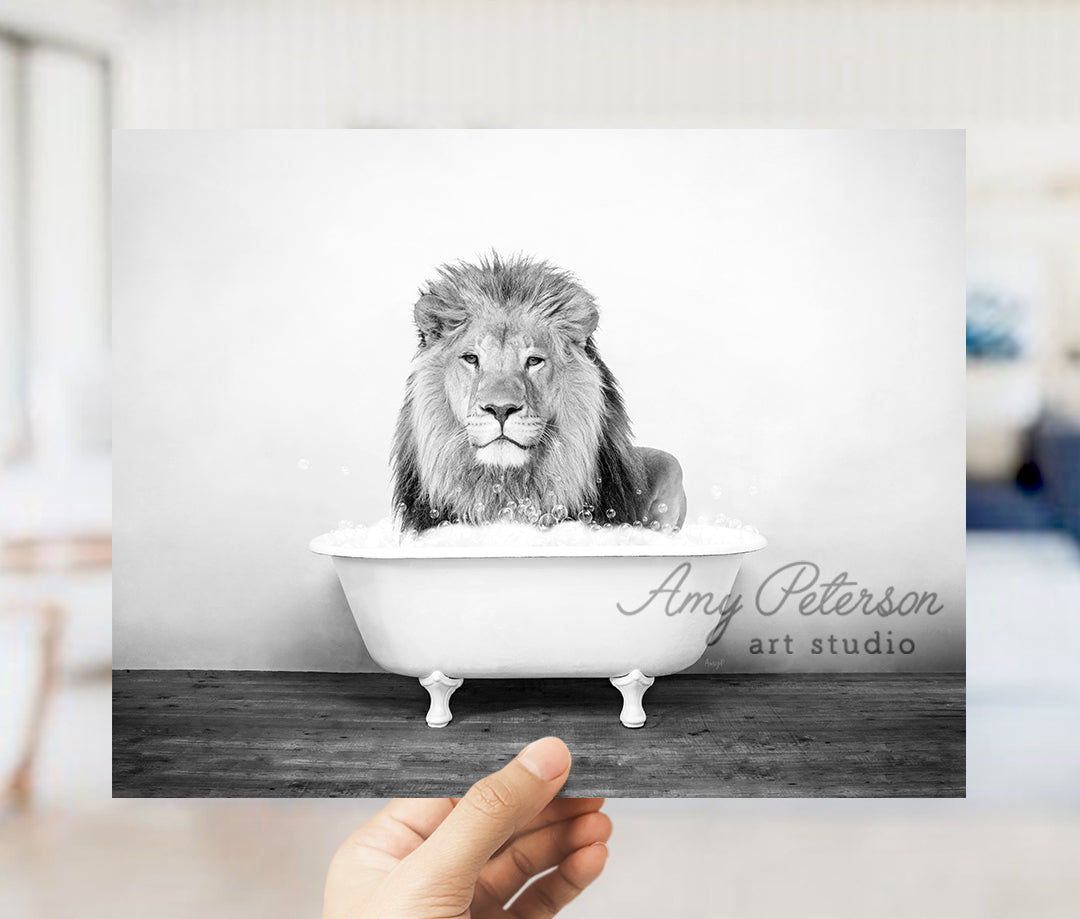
[{"x": 246, "y": 734}]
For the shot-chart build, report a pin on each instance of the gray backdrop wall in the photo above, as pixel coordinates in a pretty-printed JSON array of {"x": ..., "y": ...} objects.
[{"x": 785, "y": 311}]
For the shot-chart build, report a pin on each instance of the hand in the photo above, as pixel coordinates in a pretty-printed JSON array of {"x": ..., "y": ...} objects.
[{"x": 440, "y": 858}]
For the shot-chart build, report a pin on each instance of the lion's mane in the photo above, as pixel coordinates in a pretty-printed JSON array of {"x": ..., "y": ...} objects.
[{"x": 586, "y": 462}]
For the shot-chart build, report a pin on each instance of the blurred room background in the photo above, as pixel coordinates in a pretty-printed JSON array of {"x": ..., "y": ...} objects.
[
  {"x": 71, "y": 69},
  {"x": 1023, "y": 456}
]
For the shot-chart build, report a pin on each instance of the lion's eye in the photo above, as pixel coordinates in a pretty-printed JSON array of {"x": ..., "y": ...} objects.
[
  {"x": 471, "y": 359},
  {"x": 533, "y": 361}
]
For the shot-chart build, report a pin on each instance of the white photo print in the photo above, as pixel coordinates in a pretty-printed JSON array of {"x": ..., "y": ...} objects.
[{"x": 424, "y": 438}]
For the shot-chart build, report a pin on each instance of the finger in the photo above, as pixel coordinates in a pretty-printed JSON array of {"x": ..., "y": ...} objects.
[
  {"x": 535, "y": 852},
  {"x": 402, "y": 825},
  {"x": 495, "y": 808},
  {"x": 558, "y": 810},
  {"x": 545, "y": 896}
]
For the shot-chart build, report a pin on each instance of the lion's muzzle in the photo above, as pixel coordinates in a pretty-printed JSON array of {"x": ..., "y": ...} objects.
[{"x": 503, "y": 433}]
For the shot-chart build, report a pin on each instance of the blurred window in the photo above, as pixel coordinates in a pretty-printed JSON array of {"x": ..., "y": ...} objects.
[{"x": 54, "y": 313}]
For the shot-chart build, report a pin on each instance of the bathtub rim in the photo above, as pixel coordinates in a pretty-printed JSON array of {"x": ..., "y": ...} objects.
[{"x": 754, "y": 543}]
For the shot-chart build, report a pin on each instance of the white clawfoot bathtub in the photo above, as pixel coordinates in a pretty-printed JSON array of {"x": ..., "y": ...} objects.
[{"x": 627, "y": 613}]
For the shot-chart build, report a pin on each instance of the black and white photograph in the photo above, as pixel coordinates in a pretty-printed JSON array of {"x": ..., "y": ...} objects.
[{"x": 426, "y": 439}]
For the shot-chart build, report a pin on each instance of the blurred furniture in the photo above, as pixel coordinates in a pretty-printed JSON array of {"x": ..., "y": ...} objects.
[
  {"x": 1057, "y": 451},
  {"x": 1045, "y": 495},
  {"x": 34, "y": 561},
  {"x": 1007, "y": 506}
]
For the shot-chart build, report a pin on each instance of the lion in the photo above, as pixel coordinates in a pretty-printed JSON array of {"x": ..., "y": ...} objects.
[{"x": 510, "y": 413}]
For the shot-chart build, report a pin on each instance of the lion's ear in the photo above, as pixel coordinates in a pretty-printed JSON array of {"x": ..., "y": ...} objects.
[
  {"x": 577, "y": 319},
  {"x": 435, "y": 317}
]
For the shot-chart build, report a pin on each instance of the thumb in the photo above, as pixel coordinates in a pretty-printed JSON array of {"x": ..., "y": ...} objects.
[{"x": 492, "y": 811}]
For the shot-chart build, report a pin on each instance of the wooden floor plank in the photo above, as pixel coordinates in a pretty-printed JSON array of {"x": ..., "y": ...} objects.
[{"x": 255, "y": 734}]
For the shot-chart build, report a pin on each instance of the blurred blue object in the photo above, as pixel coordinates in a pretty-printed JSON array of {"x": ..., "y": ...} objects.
[
  {"x": 993, "y": 325},
  {"x": 1047, "y": 497},
  {"x": 1057, "y": 451},
  {"x": 1005, "y": 506}
]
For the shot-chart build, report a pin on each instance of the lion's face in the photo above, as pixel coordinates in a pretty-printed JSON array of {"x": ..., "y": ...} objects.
[
  {"x": 499, "y": 383},
  {"x": 513, "y": 383}
]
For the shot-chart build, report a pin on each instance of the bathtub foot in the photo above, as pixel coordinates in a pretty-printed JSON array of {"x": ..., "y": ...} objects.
[
  {"x": 632, "y": 686},
  {"x": 440, "y": 687}
]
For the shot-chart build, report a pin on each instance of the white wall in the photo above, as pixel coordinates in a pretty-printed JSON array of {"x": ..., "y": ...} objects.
[
  {"x": 784, "y": 310},
  {"x": 646, "y": 63},
  {"x": 54, "y": 286}
]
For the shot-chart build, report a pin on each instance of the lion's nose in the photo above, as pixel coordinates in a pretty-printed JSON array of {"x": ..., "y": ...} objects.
[{"x": 503, "y": 411}]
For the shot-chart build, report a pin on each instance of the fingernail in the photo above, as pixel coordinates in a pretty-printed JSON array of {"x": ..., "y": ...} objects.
[{"x": 546, "y": 758}]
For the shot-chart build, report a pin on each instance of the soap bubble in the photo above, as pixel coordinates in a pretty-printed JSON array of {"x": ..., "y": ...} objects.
[
  {"x": 546, "y": 522},
  {"x": 506, "y": 515},
  {"x": 434, "y": 514},
  {"x": 532, "y": 514},
  {"x": 586, "y": 517},
  {"x": 444, "y": 523},
  {"x": 610, "y": 513},
  {"x": 717, "y": 491},
  {"x": 559, "y": 512},
  {"x": 666, "y": 528},
  {"x": 637, "y": 491},
  {"x": 609, "y": 526},
  {"x": 497, "y": 487},
  {"x": 624, "y": 526},
  {"x": 344, "y": 470},
  {"x": 661, "y": 508},
  {"x": 638, "y": 525},
  {"x": 655, "y": 525},
  {"x": 303, "y": 465}
]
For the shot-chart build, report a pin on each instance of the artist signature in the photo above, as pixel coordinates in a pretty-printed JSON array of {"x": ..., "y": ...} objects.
[{"x": 799, "y": 582}]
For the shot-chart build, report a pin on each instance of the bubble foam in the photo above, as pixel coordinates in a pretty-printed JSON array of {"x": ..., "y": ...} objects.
[{"x": 696, "y": 539}]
